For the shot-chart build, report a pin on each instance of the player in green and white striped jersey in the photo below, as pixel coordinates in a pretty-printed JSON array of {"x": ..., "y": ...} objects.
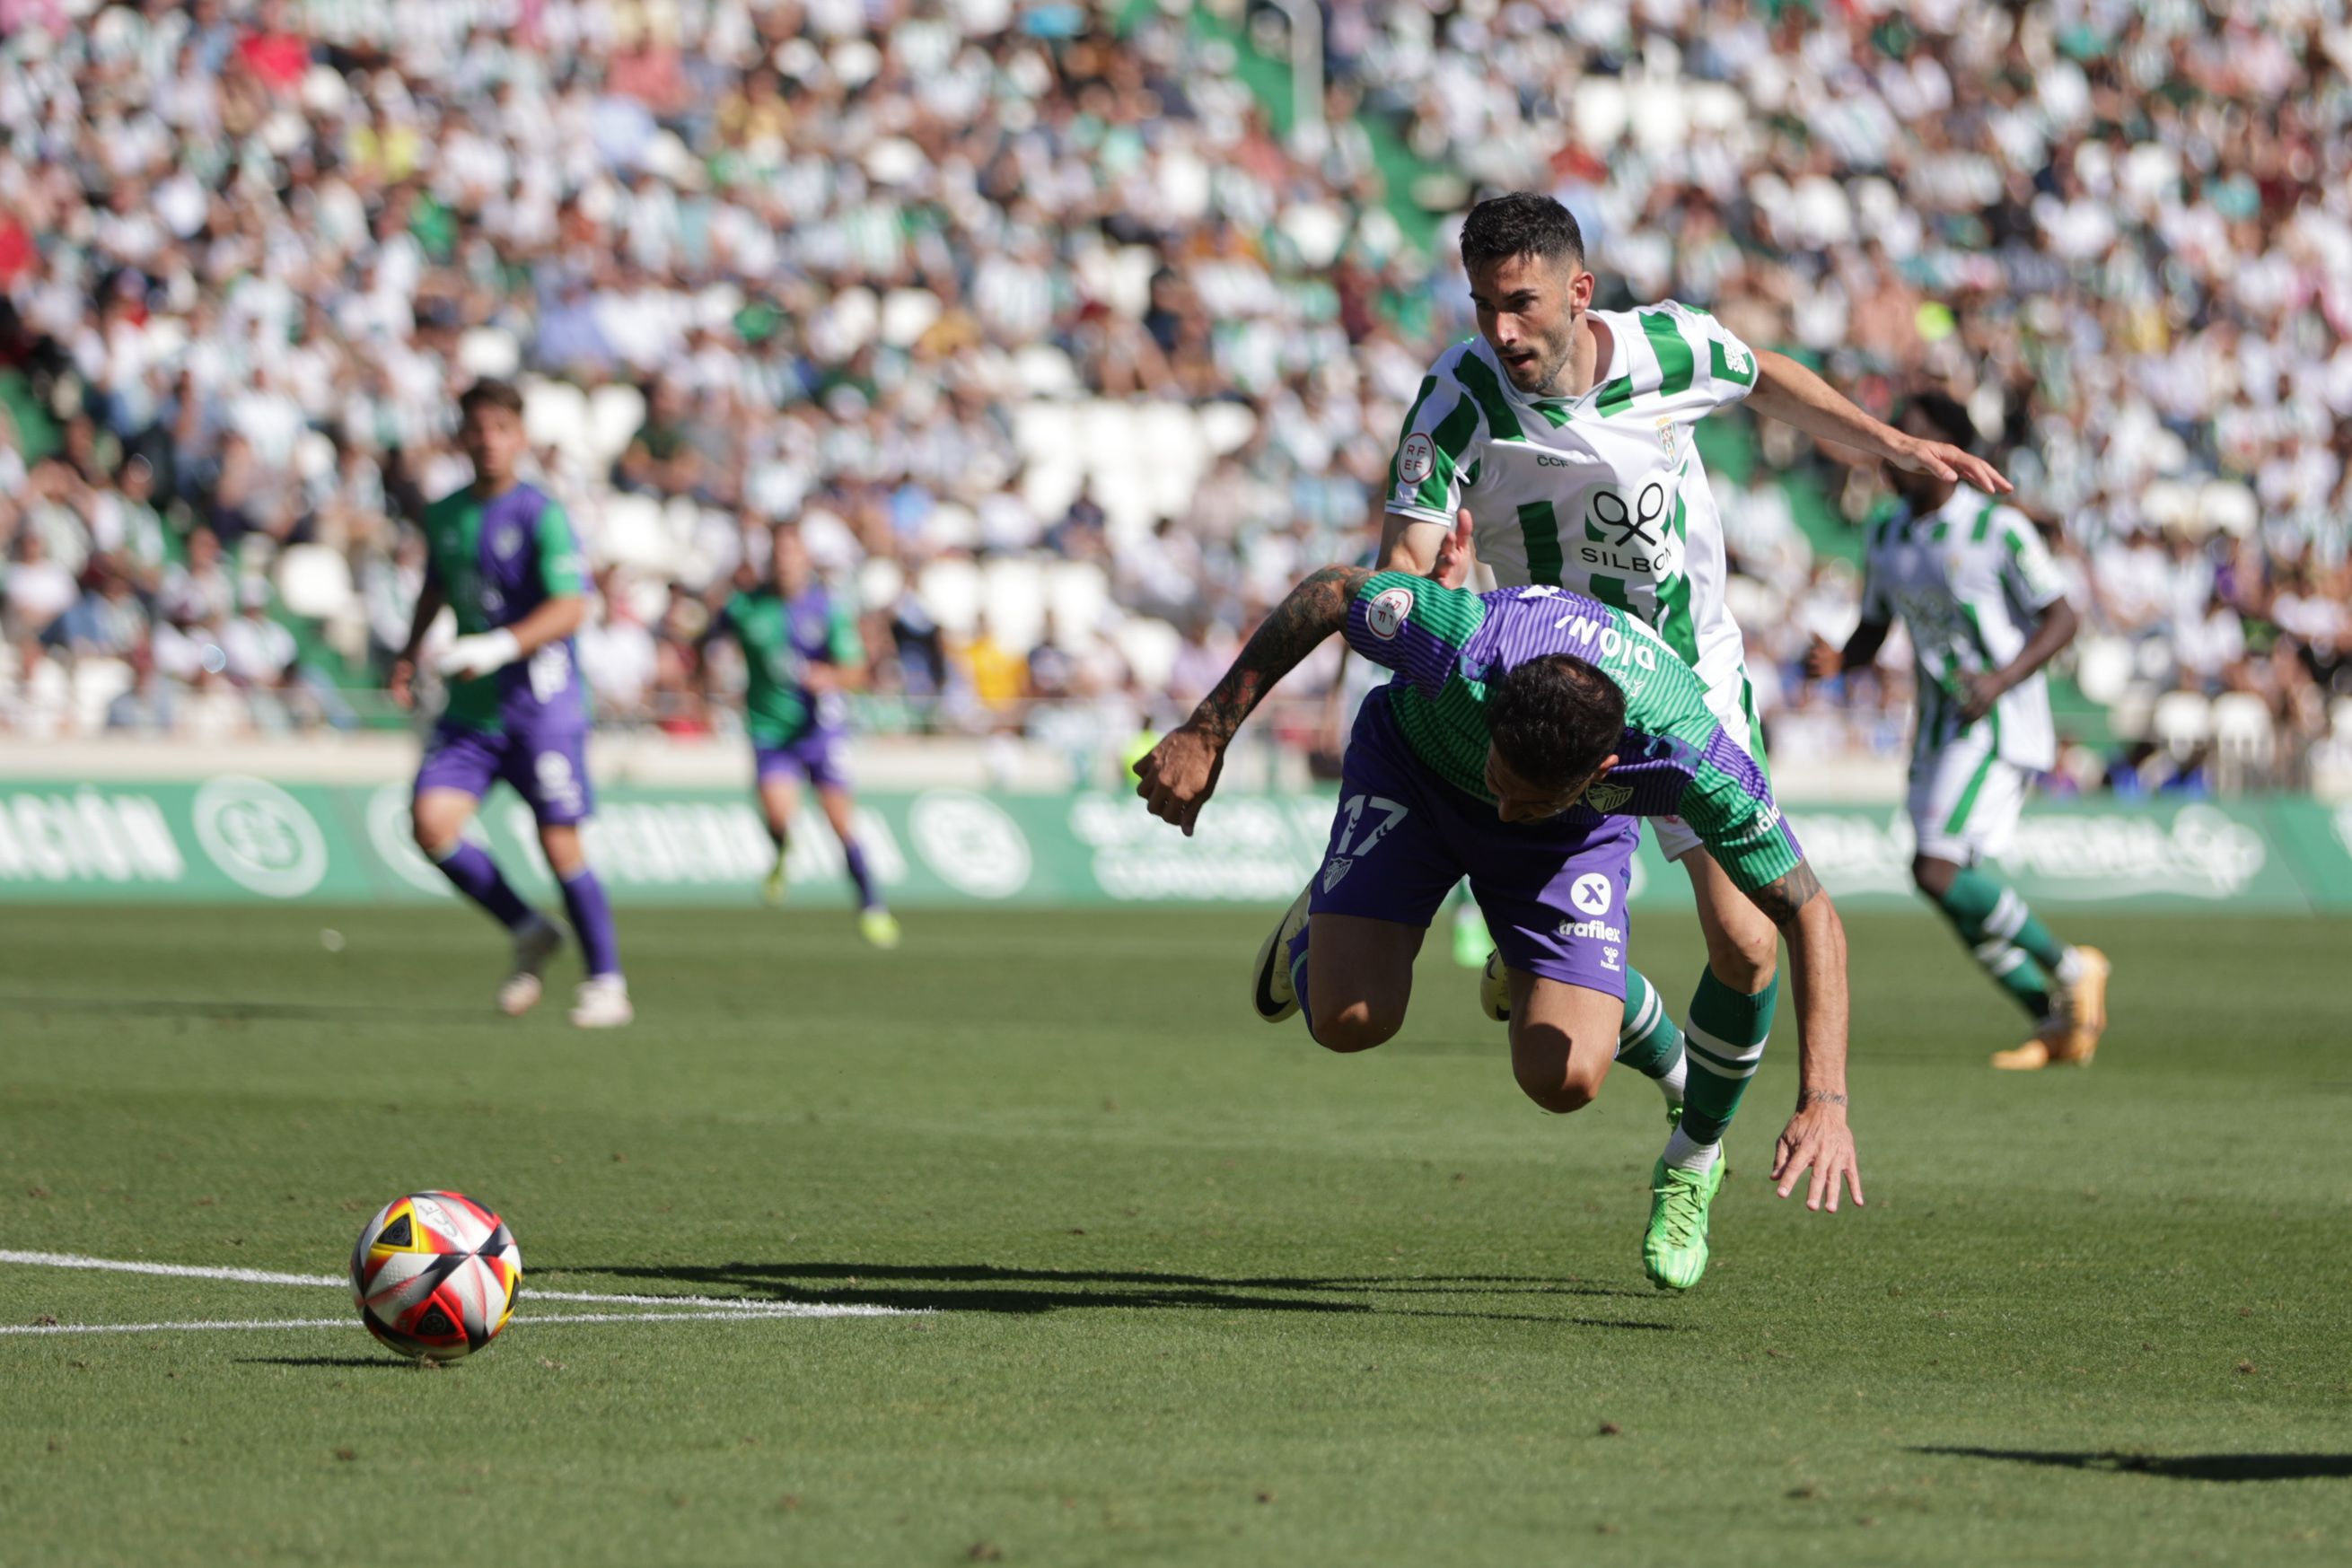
[
  {"x": 1986, "y": 610},
  {"x": 1566, "y": 433}
]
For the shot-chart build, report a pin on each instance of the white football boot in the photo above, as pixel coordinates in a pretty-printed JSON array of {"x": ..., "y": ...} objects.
[
  {"x": 534, "y": 944},
  {"x": 602, "y": 1002}
]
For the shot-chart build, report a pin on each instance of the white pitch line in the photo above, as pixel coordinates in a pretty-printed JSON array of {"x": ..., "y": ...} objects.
[
  {"x": 776, "y": 1309},
  {"x": 747, "y": 1305},
  {"x": 176, "y": 1270}
]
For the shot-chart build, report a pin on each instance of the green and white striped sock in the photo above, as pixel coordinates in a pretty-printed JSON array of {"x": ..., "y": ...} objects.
[
  {"x": 1649, "y": 1042},
  {"x": 1726, "y": 1044},
  {"x": 2006, "y": 937}
]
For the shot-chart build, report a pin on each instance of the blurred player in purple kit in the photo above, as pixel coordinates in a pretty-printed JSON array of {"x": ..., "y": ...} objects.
[
  {"x": 800, "y": 652},
  {"x": 500, "y": 555}
]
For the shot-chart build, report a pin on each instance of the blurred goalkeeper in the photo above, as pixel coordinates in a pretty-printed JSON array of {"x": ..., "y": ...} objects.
[{"x": 501, "y": 557}]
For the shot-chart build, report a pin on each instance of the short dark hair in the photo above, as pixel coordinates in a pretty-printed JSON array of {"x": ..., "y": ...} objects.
[
  {"x": 490, "y": 393},
  {"x": 1945, "y": 414},
  {"x": 1554, "y": 719},
  {"x": 1523, "y": 222}
]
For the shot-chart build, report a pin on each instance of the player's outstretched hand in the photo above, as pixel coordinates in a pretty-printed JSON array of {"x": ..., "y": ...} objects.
[
  {"x": 1457, "y": 553},
  {"x": 1824, "y": 661},
  {"x": 1179, "y": 774},
  {"x": 1948, "y": 462},
  {"x": 1817, "y": 1138}
]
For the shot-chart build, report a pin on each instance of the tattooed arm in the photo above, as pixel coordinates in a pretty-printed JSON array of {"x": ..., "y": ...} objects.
[
  {"x": 1817, "y": 1136},
  {"x": 1181, "y": 773}
]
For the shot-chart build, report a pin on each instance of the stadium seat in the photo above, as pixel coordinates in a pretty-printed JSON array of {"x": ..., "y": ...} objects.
[
  {"x": 2241, "y": 718},
  {"x": 1076, "y": 594},
  {"x": 555, "y": 414},
  {"x": 1044, "y": 371},
  {"x": 2229, "y": 506},
  {"x": 630, "y": 532},
  {"x": 1226, "y": 427},
  {"x": 2102, "y": 668},
  {"x": 880, "y": 581},
  {"x": 1014, "y": 598},
  {"x": 616, "y": 411},
  {"x": 949, "y": 588},
  {"x": 488, "y": 351},
  {"x": 2243, "y": 736},
  {"x": 906, "y": 315},
  {"x": 314, "y": 454},
  {"x": 314, "y": 581},
  {"x": 1150, "y": 648},
  {"x": 2181, "y": 721},
  {"x": 96, "y": 684}
]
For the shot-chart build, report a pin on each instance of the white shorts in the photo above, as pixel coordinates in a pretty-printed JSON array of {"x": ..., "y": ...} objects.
[
  {"x": 1964, "y": 801},
  {"x": 1729, "y": 701}
]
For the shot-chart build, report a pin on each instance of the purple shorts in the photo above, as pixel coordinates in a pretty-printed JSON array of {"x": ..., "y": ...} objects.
[
  {"x": 550, "y": 772},
  {"x": 1553, "y": 892},
  {"x": 817, "y": 754}
]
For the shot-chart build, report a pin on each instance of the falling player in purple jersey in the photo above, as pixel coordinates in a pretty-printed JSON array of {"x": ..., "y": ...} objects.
[
  {"x": 800, "y": 652},
  {"x": 500, "y": 555},
  {"x": 1524, "y": 733}
]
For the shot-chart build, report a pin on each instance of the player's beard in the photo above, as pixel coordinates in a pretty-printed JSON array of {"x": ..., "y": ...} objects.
[{"x": 1553, "y": 351}]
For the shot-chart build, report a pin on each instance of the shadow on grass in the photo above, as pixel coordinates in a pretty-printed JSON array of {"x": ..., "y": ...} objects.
[
  {"x": 988, "y": 1288},
  {"x": 2178, "y": 1466},
  {"x": 230, "y": 1009},
  {"x": 368, "y": 1363}
]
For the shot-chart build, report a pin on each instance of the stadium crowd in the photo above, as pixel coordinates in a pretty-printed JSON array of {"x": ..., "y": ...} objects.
[{"x": 1067, "y": 363}]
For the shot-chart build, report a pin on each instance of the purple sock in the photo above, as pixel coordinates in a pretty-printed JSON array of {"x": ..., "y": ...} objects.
[
  {"x": 868, "y": 895},
  {"x": 1297, "y": 954},
  {"x": 473, "y": 873},
  {"x": 591, "y": 922}
]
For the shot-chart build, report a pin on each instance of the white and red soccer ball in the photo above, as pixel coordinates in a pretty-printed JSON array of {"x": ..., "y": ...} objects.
[{"x": 435, "y": 1274}]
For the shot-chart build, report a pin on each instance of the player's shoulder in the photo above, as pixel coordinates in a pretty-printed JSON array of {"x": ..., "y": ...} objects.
[
  {"x": 1472, "y": 350},
  {"x": 532, "y": 503},
  {"x": 452, "y": 505}
]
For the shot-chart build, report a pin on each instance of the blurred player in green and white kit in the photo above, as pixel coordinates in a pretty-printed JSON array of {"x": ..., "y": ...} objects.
[
  {"x": 1566, "y": 433},
  {"x": 1986, "y": 610}
]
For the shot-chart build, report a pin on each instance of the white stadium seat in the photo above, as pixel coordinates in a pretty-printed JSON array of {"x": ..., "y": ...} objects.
[
  {"x": 951, "y": 589},
  {"x": 630, "y": 532},
  {"x": 615, "y": 413},
  {"x": 1076, "y": 594},
  {"x": 488, "y": 351},
  {"x": 96, "y": 684},
  {"x": 2102, "y": 668},
  {"x": 1150, "y": 648},
  {"x": 555, "y": 414},
  {"x": 1013, "y": 600},
  {"x": 314, "y": 581},
  {"x": 2181, "y": 721}
]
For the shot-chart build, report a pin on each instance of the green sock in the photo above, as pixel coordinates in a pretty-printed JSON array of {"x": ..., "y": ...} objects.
[
  {"x": 1648, "y": 1041},
  {"x": 2010, "y": 943},
  {"x": 1726, "y": 1043}
]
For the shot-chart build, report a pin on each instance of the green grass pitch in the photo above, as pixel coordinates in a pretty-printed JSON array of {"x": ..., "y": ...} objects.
[{"x": 1194, "y": 1290}]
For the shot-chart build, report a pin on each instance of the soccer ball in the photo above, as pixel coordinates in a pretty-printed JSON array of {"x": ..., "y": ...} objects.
[{"x": 435, "y": 1274}]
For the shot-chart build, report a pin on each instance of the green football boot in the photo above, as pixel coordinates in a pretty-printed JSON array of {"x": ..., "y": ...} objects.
[{"x": 1673, "y": 1251}]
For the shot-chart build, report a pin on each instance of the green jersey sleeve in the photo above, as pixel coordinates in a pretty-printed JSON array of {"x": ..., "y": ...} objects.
[
  {"x": 2028, "y": 574},
  {"x": 843, "y": 644},
  {"x": 1697, "y": 349},
  {"x": 1439, "y": 447},
  {"x": 560, "y": 572},
  {"x": 1728, "y": 804},
  {"x": 1413, "y": 625}
]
